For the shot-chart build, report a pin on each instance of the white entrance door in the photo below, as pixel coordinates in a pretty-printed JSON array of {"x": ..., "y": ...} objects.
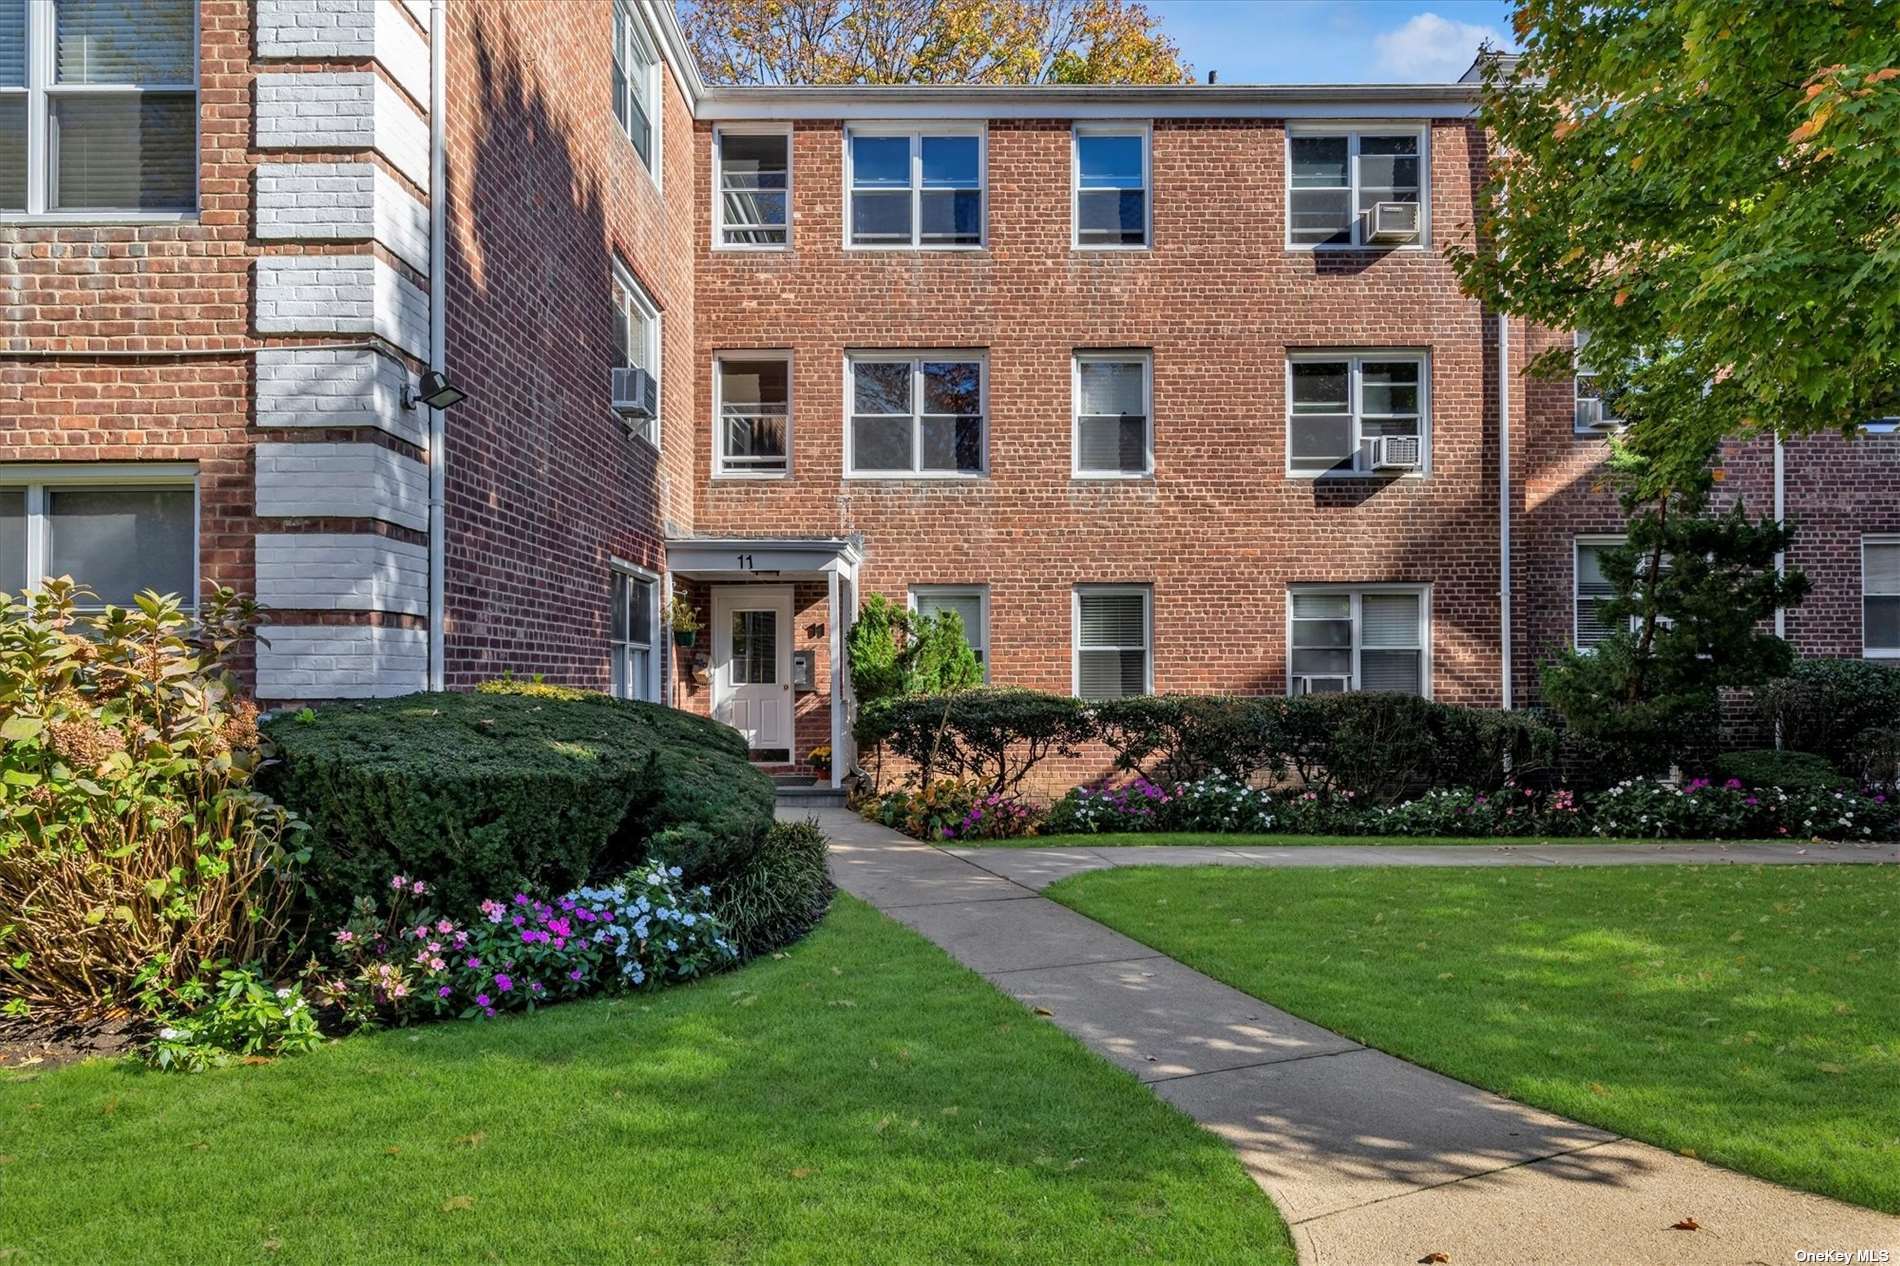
[{"x": 752, "y": 663}]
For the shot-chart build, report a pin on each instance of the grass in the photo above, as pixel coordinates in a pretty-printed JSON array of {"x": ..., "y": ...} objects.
[
  {"x": 863, "y": 1099},
  {"x": 1745, "y": 1015},
  {"x": 1152, "y": 839}
]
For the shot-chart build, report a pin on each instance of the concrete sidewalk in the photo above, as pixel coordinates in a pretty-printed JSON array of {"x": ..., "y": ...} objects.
[{"x": 1370, "y": 1159}]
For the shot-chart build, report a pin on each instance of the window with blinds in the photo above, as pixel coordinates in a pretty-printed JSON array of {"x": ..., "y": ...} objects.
[
  {"x": 969, "y": 603},
  {"x": 1113, "y": 657},
  {"x": 1592, "y": 590},
  {"x": 1113, "y": 435},
  {"x": 1339, "y": 407},
  {"x": 108, "y": 124},
  {"x": 1342, "y": 639},
  {"x": 1880, "y": 596}
]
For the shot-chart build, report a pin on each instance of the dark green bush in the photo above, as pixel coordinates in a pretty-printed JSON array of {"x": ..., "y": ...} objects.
[
  {"x": 780, "y": 891},
  {"x": 1844, "y": 710},
  {"x": 1179, "y": 738},
  {"x": 994, "y": 737},
  {"x": 480, "y": 794},
  {"x": 1768, "y": 768},
  {"x": 1385, "y": 747}
]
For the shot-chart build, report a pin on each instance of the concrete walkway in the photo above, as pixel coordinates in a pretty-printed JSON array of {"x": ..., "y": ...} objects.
[
  {"x": 1371, "y": 1160},
  {"x": 1037, "y": 868}
]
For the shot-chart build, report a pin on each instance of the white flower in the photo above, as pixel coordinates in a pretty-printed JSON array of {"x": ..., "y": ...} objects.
[
  {"x": 282, "y": 994},
  {"x": 170, "y": 1035}
]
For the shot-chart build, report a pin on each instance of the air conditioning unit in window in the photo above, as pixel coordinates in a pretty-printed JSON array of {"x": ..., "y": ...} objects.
[
  {"x": 1392, "y": 452},
  {"x": 1590, "y": 418},
  {"x": 1394, "y": 222},
  {"x": 1321, "y": 685},
  {"x": 636, "y": 393}
]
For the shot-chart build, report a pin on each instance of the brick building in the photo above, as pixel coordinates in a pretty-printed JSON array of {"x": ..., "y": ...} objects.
[{"x": 1164, "y": 389}]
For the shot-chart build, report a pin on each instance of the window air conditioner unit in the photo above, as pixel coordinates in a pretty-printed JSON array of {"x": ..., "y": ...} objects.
[
  {"x": 636, "y": 393},
  {"x": 1590, "y": 419},
  {"x": 1321, "y": 685},
  {"x": 1394, "y": 222},
  {"x": 1392, "y": 452}
]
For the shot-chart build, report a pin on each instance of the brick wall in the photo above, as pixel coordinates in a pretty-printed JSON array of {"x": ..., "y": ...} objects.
[{"x": 544, "y": 483}]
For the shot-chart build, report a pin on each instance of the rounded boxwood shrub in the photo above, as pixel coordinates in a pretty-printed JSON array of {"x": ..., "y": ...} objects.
[
  {"x": 777, "y": 893},
  {"x": 502, "y": 790},
  {"x": 1766, "y": 767}
]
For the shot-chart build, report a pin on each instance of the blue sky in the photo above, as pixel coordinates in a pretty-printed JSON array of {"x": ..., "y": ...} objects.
[{"x": 1332, "y": 41}]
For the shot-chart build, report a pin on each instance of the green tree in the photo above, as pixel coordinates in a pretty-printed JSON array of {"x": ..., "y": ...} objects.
[
  {"x": 930, "y": 41},
  {"x": 894, "y": 651},
  {"x": 1691, "y": 591},
  {"x": 1711, "y": 188}
]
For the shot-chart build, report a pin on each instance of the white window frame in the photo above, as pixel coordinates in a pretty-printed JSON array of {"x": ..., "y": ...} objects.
[
  {"x": 719, "y": 468},
  {"x": 1114, "y": 357},
  {"x": 655, "y": 677},
  {"x": 1600, "y": 540},
  {"x": 645, "y": 50},
  {"x": 1358, "y": 592},
  {"x": 131, "y": 476},
  {"x": 640, "y": 304},
  {"x": 719, "y": 225},
  {"x": 1076, "y": 593},
  {"x": 1139, "y": 128},
  {"x": 1355, "y": 358},
  {"x": 1892, "y": 541},
  {"x": 1353, "y": 132},
  {"x": 916, "y": 359},
  {"x": 40, "y": 89},
  {"x": 981, "y": 593},
  {"x": 916, "y": 131}
]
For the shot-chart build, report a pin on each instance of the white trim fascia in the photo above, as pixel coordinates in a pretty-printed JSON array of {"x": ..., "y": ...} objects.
[
  {"x": 917, "y": 129},
  {"x": 719, "y": 472},
  {"x": 1091, "y": 101},
  {"x": 677, "y": 51},
  {"x": 1110, "y": 589},
  {"x": 1113, "y": 356},
  {"x": 1111, "y": 127},
  {"x": 980, "y": 590},
  {"x": 1356, "y": 591},
  {"x": 1354, "y": 356},
  {"x": 718, "y": 217}
]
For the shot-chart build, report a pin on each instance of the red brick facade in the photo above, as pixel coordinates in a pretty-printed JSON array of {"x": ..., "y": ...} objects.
[{"x": 133, "y": 343}]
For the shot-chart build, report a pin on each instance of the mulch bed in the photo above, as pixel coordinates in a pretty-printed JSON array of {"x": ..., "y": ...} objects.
[{"x": 39, "y": 1044}]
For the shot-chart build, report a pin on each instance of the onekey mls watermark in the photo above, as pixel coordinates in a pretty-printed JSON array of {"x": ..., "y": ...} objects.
[{"x": 1846, "y": 1256}]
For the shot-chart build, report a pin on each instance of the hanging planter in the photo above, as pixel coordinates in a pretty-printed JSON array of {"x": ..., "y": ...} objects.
[{"x": 683, "y": 620}]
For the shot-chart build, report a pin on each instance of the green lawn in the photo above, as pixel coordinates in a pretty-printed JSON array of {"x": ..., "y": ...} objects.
[
  {"x": 862, "y": 1100},
  {"x": 1137, "y": 839},
  {"x": 1746, "y": 1015}
]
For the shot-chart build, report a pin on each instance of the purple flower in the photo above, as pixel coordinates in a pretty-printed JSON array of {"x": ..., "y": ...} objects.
[
  {"x": 1751, "y": 802},
  {"x": 534, "y": 986},
  {"x": 503, "y": 982},
  {"x": 482, "y": 1000},
  {"x": 443, "y": 992},
  {"x": 521, "y": 898},
  {"x": 575, "y": 975}
]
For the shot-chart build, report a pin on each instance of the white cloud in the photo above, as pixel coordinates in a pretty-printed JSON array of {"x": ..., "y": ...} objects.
[{"x": 1430, "y": 49}]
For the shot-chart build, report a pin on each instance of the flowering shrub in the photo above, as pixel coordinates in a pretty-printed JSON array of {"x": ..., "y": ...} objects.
[
  {"x": 1509, "y": 811},
  {"x": 926, "y": 814},
  {"x": 1217, "y": 802},
  {"x": 653, "y": 931},
  {"x": 1699, "y": 808},
  {"x": 994, "y": 817},
  {"x": 1103, "y": 809},
  {"x": 243, "y": 1015}
]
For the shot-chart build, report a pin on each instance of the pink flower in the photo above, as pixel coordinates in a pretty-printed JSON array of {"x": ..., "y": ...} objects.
[
  {"x": 444, "y": 926},
  {"x": 344, "y": 936},
  {"x": 418, "y": 887},
  {"x": 436, "y": 964},
  {"x": 398, "y": 883}
]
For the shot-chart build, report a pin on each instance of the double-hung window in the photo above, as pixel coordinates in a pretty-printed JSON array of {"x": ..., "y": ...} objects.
[
  {"x": 1880, "y": 596},
  {"x": 1114, "y": 424},
  {"x": 970, "y": 603},
  {"x": 636, "y": 85},
  {"x": 1357, "y": 414},
  {"x": 1111, "y": 185},
  {"x": 916, "y": 414},
  {"x": 1592, "y": 589},
  {"x": 753, "y": 208},
  {"x": 635, "y": 599},
  {"x": 753, "y": 398},
  {"x": 914, "y": 189},
  {"x": 1337, "y": 176},
  {"x": 637, "y": 343},
  {"x": 115, "y": 538},
  {"x": 1342, "y": 638},
  {"x": 1114, "y": 637},
  {"x": 99, "y": 107},
  {"x": 1592, "y": 417}
]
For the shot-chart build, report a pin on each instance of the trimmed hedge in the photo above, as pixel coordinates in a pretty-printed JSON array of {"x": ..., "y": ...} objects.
[
  {"x": 1846, "y": 711},
  {"x": 1766, "y": 767},
  {"x": 1381, "y": 746},
  {"x": 510, "y": 788}
]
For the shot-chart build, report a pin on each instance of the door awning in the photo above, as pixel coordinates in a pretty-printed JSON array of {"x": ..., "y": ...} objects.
[{"x": 763, "y": 558}]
